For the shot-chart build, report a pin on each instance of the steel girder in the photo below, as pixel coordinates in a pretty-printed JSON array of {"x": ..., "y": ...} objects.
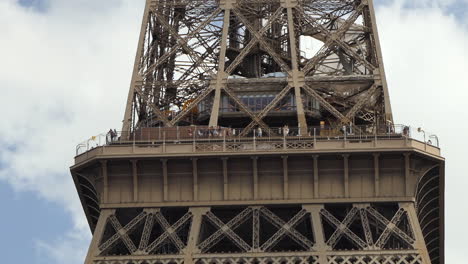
[
  {"x": 350, "y": 232},
  {"x": 189, "y": 49}
]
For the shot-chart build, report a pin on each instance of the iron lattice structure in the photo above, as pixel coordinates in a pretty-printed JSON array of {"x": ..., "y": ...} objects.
[
  {"x": 192, "y": 179},
  {"x": 195, "y": 57},
  {"x": 258, "y": 233}
]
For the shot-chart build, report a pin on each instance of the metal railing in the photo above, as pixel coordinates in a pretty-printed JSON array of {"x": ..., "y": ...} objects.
[{"x": 204, "y": 134}]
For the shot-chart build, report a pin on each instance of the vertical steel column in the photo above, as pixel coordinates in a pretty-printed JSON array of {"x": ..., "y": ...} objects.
[
  {"x": 296, "y": 76},
  {"x": 195, "y": 226},
  {"x": 320, "y": 246},
  {"x": 376, "y": 174},
  {"x": 346, "y": 175},
  {"x": 165, "y": 180},
  {"x": 255, "y": 176},
  {"x": 407, "y": 174},
  {"x": 225, "y": 179},
  {"x": 195, "y": 178},
  {"x": 135, "y": 180},
  {"x": 316, "y": 177},
  {"x": 285, "y": 178},
  {"x": 221, "y": 76},
  {"x": 105, "y": 177}
]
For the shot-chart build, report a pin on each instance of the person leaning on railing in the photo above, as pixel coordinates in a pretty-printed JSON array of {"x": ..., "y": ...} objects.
[
  {"x": 286, "y": 130},
  {"x": 111, "y": 136},
  {"x": 406, "y": 131},
  {"x": 200, "y": 133}
]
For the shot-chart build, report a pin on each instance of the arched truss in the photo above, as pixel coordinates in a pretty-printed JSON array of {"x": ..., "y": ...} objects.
[
  {"x": 89, "y": 198},
  {"x": 429, "y": 199}
]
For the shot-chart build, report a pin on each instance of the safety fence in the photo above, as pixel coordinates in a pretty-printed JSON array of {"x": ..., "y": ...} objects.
[{"x": 204, "y": 135}]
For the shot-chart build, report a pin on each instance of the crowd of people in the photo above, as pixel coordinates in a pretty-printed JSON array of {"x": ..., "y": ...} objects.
[
  {"x": 228, "y": 132},
  {"x": 219, "y": 132},
  {"x": 209, "y": 132}
]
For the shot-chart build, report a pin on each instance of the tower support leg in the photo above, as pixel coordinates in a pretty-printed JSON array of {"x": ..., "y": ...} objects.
[
  {"x": 197, "y": 214},
  {"x": 320, "y": 246},
  {"x": 101, "y": 225},
  {"x": 419, "y": 244}
]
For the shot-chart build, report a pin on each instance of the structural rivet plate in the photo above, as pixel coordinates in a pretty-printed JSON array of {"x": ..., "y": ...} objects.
[
  {"x": 296, "y": 78},
  {"x": 226, "y": 4},
  {"x": 288, "y": 3},
  {"x": 170, "y": 230},
  {"x": 220, "y": 78}
]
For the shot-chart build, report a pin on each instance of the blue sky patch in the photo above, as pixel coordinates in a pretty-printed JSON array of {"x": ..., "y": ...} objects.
[
  {"x": 458, "y": 8},
  {"x": 26, "y": 219},
  {"x": 38, "y": 5}
]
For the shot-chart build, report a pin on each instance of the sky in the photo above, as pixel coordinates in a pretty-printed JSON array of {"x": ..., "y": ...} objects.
[{"x": 65, "y": 68}]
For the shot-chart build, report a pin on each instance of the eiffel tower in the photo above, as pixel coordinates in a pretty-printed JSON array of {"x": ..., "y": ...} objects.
[{"x": 261, "y": 132}]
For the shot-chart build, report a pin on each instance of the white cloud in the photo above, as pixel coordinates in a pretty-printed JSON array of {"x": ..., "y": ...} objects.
[
  {"x": 426, "y": 58},
  {"x": 71, "y": 248},
  {"x": 425, "y": 3},
  {"x": 64, "y": 76}
]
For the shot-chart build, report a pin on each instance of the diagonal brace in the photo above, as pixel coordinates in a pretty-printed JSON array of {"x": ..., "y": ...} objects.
[
  {"x": 246, "y": 110},
  {"x": 218, "y": 235},
  {"x": 279, "y": 223},
  {"x": 183, "y": 42},
  {"x": 390, "y": 227},
  {"x": 339, "y": 225},
  {"x": 245, "y": 51},
  {"x": 267, "y": 109},
  {"x": 174, "y": 228},
  {"x": 262, "y": 41},
  {"x": 228, "y": 232}
]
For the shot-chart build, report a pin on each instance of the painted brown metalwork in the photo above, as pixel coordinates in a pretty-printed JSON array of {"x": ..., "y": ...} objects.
[
  {"x": 193, "y": 53},
  {"x": 261, "y": 132}
]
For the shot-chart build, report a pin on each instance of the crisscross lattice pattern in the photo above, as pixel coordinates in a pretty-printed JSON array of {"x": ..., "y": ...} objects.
[{"x": 192, "y": 56}]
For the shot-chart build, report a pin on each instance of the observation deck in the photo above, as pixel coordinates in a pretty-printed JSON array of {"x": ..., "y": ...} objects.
[
  {"x": 206, "y": 141},
  {"x": 204, "y": 167}
]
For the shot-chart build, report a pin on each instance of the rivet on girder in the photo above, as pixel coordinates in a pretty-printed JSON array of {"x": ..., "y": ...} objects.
[
  {"x": 226, "y": 4},
  {"x": 288, "y": 3},
  {"x": 170, "y": 230},
  {"x": 220, "y": 78},
  {"x": 296, "y": 78}
]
